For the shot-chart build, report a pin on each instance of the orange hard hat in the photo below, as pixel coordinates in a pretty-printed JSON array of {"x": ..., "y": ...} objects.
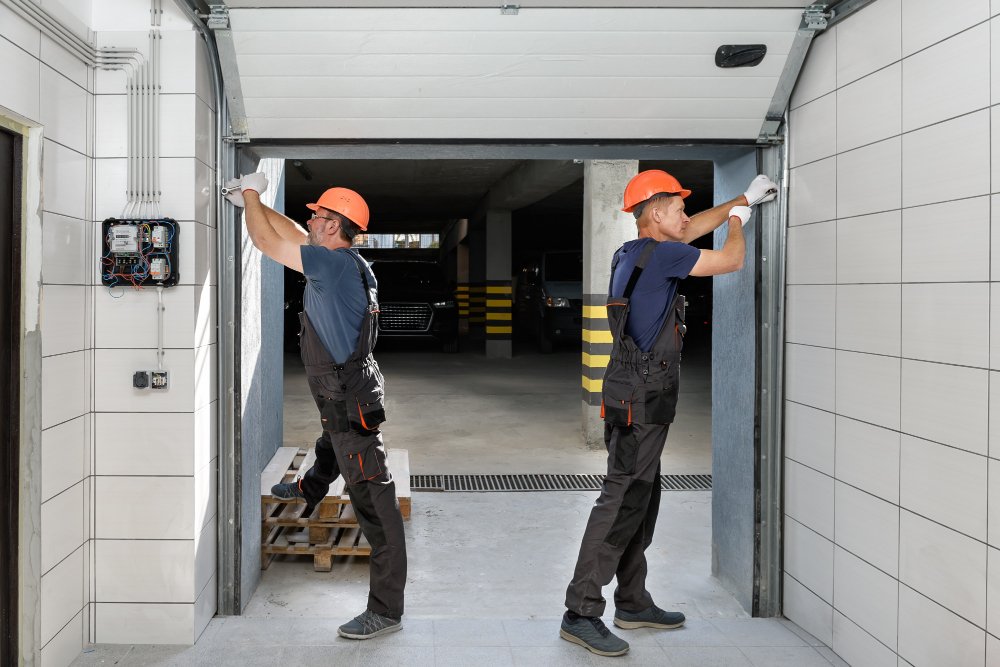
[
  {"x": 347, "y": 203},
  {"x": 651, "y": 182}
]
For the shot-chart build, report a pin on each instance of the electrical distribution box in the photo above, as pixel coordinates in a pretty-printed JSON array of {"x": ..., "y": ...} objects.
[{"x": 138, "y": 253}]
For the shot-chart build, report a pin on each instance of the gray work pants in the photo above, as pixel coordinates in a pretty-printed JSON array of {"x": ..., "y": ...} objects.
[{"x": 621, "y": 524}]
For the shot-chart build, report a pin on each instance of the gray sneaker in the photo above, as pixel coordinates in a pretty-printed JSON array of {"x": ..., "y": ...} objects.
[
  {"x": 654, "y": 617},
  {"x": 593, "y": 635},
  {"x": 368, "y": 625},
  {"x": 288, "y": 490}
]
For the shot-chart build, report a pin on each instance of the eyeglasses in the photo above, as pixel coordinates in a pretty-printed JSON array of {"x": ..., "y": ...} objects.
[{"x": 323, "y": 217}]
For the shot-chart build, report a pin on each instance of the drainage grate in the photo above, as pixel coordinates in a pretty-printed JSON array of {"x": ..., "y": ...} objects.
[{"x": 543, "y": 482}]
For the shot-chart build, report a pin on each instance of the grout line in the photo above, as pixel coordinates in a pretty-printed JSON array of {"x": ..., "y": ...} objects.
[{"x": 899, "y": 462}]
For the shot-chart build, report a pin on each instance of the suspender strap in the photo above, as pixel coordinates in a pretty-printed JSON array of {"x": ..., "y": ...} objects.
[
  {"x": 639, "y": 266},
  {"x": 364, "y": 275}
]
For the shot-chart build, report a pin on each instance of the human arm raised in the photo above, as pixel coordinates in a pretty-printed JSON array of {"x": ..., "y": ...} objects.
[
  {"x": 283, "y": 225},
  {"x": 730, "y": 257},
  {"x": 761, "y": 189},
  {"x": 262, "y": 233}
]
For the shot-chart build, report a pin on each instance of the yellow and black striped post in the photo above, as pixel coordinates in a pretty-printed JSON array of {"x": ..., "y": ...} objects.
[
  {"x": 498, "y": 310},
  {"x": 477, "y": 307},
  {"x": 596, "y": 346},
  {"x": 462, "y": 304}
]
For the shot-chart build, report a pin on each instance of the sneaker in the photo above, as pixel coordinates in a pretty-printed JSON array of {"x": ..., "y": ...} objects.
[
  {"x": 593, "y": 635},
  {"x": 368, "y": 625},
  {"x": 288, "y": 490},
  {"x": 654, "y": 617}
]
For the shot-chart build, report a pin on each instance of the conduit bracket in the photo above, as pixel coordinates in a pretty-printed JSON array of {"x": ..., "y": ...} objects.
[
  {"x": 218, "y": 22},
  {"x": 510, "y": 9}
]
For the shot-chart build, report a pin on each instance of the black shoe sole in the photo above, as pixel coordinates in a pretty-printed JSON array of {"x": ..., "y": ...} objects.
[{"x": 576, "y": 640}]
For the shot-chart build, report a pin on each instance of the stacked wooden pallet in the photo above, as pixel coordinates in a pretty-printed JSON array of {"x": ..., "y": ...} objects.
[{"x": 332, "y": 528}]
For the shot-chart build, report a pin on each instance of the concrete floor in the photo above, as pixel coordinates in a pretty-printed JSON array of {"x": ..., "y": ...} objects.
[{"x": 488, "y": 571}]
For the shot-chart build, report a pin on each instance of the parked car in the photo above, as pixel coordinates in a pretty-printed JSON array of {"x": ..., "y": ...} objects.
[
  {"x": 548, "y": 298},
  {"x": 416, "y": 301}
]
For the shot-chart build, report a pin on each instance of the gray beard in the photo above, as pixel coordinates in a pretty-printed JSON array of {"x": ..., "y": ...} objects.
[{"x": 312, "y": 239}]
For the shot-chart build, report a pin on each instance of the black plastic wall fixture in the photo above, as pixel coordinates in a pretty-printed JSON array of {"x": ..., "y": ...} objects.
[{"x": 740, "y": 55}]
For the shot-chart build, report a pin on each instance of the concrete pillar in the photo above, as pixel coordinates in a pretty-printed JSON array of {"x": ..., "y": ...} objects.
[
  {"x": 605, "y": 228},
  {"x": 498, "y": 271},
  {"x": 477, "y": 278}
]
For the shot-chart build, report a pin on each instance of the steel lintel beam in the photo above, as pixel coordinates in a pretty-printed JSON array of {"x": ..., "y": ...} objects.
[
  {"x": 218, "y": 23},
  {"x": 530, "y": 182}
]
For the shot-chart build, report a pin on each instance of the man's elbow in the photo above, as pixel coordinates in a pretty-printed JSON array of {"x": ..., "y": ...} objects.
[{"x": 736, "y": 263}]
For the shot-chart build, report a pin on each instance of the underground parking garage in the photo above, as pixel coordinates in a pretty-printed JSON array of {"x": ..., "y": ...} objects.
[{"x": 823, "y": 424}]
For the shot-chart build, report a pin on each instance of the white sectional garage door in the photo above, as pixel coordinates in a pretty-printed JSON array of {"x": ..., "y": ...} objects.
[{"x": 452, "y": 73}]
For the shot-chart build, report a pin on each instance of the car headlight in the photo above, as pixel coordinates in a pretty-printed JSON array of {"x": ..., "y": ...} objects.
[
  {"x": 443, "y": 304},
  {"x": 557, "y": 302}
]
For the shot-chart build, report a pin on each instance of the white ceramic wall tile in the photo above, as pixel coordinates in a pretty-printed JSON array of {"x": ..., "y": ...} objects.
[
  {"x": 868, "y": 318},
  {"x": 995, "y": 235},
  {"x": 145, "y": 443},
  {"x": 64, "y": 110},
  {"x": 946, "y": 161},
  {"x": 197, "y": 254},
  {"x": 114, "y": 15},
  {"x": 64, "y": 181},
  {"x": 869, "y": 178},
  {"x": 186, "y": 186},
  {"x": 869, "y": 248},
  {"x": 809, "y": 375},
  {"x": 204, "y": 607},
  {"x": 946, "y": 404},
  {"x": 65, "y": 647},
  {"x": 993, "y": 591},
  {"x": 995, "y": 325},
  {"x": 868, "y": 458},
  {"x": 131, "y": 320},
  {"x": 813, "y": 192},
  {"x": 113, "y": 389},
  {"x": 178, "y": 52},
  {"x": 995, "y": 149},
  {"x": 868, "y": 110},
  {"x": 55, "y": 55},
  {"x": 924, "y": 23},
  {"x": 994, "y": 443},
  {"x": 806, "y": 610},
  {"x": 994, "y": 27},
  {"x": 994, "y": 7},
  {"x": 867, "y": 526},
  {"x": 944, "y": 484},
  {"x": 62, "y": 526},
  {"x": 66, "y": 254},
  {"x": 111, "y": 126},
  {"x": 819, "y": 71},
  {"x": 18, "y": 31},
  {"x": 857, "y": 647},
  {"x": 948, "y": 79},
  {"x": 943, "y": 565},
  {"x": 144, "y": 571},
  {"x": 205, "y": 386},
  {"x": 947, "y": 322},
  {"x": 805, "y": 143},
  {"x": 205, "y": 443},
  {"x": 809, "y": 498},
  {"x": 21, "y": 83},
  {"x": 203, "y": 76},
  {"x": 205, "y": 563},
  {"x": 62, "y": 594},
  {"x": 812, "y": 251},
  {"x": 180, "y": 137},
  {"x": 809, "y": 436},
  {"x": 64, "y": 450},
  {"x": 993, "y": 505},
  {"x": 205, "y": 495},
  {"x": 63, "y": 318},
  {"x": 110, "y": 197},
  {"x": 205, "y": 324},
  {"x": 144, "y": 623},
  {"x": 992, "y": 651},
  {"x": 810, "y": 314},
  {"x": 160, "y": 508},
  {"x": 809, "y": 558},
  {"x": 64, "y": 388},
  {"x": 868, "y": 388},
  {"x": 865, "y": 595},
  {"x": 868, "y": 41},
  {"x": 930, "y": 256}
]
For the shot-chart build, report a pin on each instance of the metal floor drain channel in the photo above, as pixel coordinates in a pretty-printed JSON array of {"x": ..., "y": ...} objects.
[{"x": 543, "y": 482}]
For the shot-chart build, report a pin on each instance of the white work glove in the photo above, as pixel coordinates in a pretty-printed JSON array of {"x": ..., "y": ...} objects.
[
  {"x": 235, "y": 193},
  {"x": 761, "y": 189},
  {"x": 741, "y": 212},
  {"x": 255, "y": 181}
]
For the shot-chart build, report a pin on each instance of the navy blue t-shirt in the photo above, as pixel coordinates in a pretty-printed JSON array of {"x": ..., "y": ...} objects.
[
  {"x": 334, "y": 297},
  {"x": 657, "y": 286}
]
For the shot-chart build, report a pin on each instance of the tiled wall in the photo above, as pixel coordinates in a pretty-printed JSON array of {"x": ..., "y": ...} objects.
[
  {"x": 127, "y": 485},
  {"x": 891, "y": 484}
]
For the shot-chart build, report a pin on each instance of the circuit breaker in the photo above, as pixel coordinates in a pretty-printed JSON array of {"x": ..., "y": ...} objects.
[{"x": 140, "y": 253}]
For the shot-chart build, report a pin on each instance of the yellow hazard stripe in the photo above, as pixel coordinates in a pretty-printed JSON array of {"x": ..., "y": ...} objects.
[
  {"x": 497, "y": 330},
  {"x": 498, "y": 316},
  {"x": 591, "y": 336},
  {"x": 596, "y": 312},
  {"x": 596, "y": 360},
  {"x": 593, "y": 385},
  {"x": 498, "y": 303},
  {"x": 498, "y": 289}
]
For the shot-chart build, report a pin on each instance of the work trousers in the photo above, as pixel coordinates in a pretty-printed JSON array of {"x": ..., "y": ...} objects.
[
  {"x": 621, "y": 524},
  {"x": 360, "y": 458}
]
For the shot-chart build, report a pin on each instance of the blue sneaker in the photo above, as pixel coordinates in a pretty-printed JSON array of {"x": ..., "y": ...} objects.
[
  {"x": 591, "y": 633},
  {"x": 288, "y": 490},
  {"x": 368, "y": 625},
  {"x": 654, "y": 617}
]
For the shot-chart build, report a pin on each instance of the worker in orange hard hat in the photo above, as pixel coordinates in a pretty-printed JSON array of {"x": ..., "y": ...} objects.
[
  {"x": 338, "y": 335},
  {"x": 639, "y": 397}
]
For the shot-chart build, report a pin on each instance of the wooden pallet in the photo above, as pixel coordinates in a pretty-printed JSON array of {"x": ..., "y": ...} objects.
[{"x": 332, "y": 528}]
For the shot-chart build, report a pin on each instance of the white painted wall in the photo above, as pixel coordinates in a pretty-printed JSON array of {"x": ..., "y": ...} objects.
[
  {"x": 127, "y": 482},
  {"x": 893, "y": 329}
]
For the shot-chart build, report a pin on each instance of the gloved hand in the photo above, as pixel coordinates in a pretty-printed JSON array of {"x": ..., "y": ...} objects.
[
  {"x": 741, "y": 212},
  {"x": 761, "y": 189},
  {"x": 235, "y": 194},
  {"x": 255, "y": 181}
]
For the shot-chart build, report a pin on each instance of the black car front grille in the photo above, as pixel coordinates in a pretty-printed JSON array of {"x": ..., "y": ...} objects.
[{"x": 404, "y": 317}]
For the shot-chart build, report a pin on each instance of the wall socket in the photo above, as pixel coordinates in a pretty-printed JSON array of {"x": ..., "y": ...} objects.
[{"x": 150, "y": 380}]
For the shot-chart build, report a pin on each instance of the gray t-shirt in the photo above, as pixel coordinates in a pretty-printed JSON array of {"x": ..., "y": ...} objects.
[{"x": 334, "y": 297}]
